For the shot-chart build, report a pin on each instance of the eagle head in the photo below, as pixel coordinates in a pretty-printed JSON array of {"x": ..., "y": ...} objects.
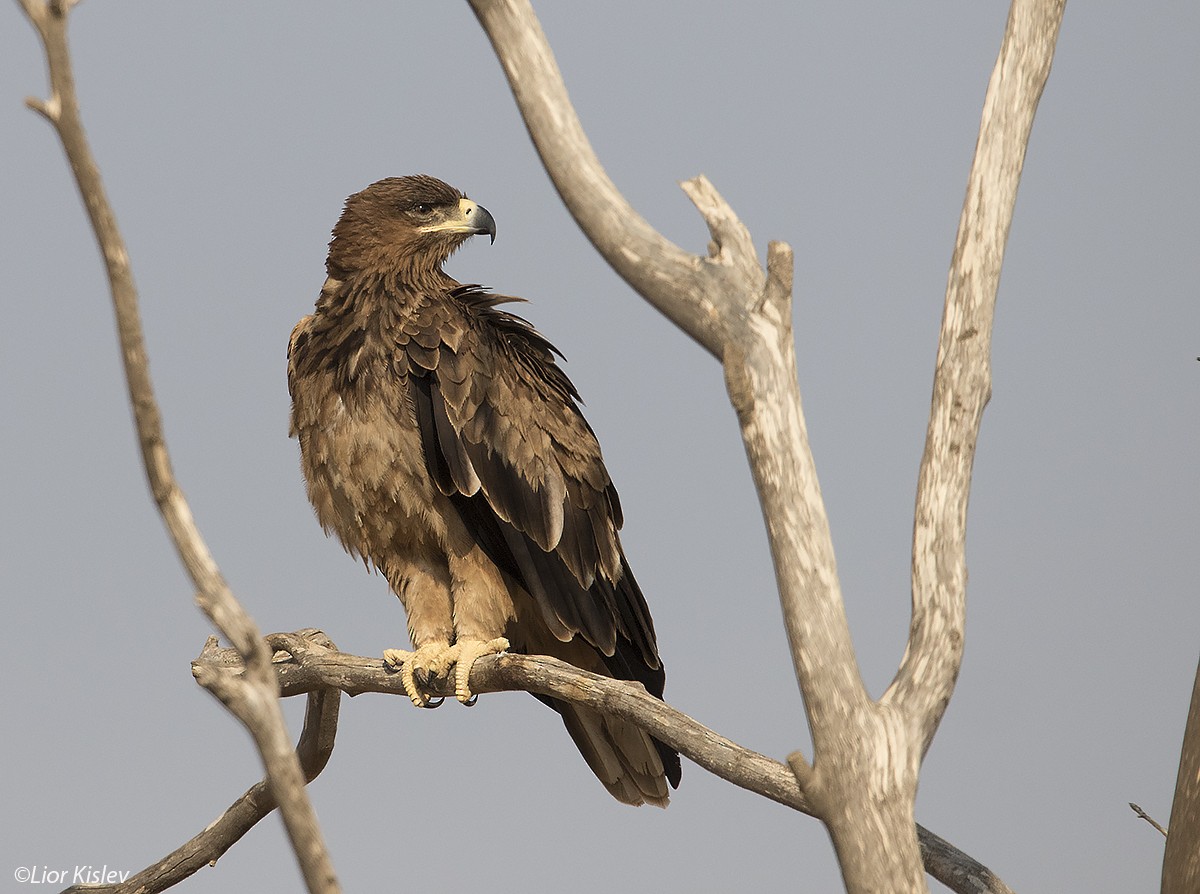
[{"x": 404, "y": 222}]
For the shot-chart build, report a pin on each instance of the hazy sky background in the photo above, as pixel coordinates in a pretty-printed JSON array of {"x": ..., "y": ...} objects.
[{"x": 229, "y": 135}]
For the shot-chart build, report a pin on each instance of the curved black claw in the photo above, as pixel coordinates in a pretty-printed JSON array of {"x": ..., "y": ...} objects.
[
  {"x": 434, "y": 703},
  {"x": 470, "y": 703}
]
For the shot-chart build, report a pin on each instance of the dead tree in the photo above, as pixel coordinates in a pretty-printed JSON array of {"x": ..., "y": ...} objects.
[{"x": 861, "y": 780}]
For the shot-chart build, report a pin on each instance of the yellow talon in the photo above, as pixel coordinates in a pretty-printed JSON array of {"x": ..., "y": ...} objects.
[
  {"x": 435, "y": 659},
  {"x": 466, "y": 653},
  {"x": 408, "y": 663}
]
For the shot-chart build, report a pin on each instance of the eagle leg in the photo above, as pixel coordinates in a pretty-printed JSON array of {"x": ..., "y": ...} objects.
[{"x": 434, "y": 660}]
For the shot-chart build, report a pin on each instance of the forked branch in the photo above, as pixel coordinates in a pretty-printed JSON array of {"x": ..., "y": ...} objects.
[{"x": 724, "y": 302}]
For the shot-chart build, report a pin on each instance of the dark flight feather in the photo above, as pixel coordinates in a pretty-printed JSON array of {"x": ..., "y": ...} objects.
[
  {"x": 531, "y": 489},
  {"x": 566, "y": 577}
]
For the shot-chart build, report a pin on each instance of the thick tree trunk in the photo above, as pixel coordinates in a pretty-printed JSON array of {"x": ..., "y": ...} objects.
[
  {"x": 865, "y": 787},
  {"x": 876, "y": 846},
  {"x": 1181, "y": 857}
]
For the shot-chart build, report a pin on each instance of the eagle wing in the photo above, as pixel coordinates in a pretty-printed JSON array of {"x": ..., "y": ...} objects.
[{"x": 504, "y": 439}]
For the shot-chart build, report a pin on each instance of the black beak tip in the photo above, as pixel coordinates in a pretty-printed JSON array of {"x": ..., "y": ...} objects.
[{"x": 485, "y": 223}]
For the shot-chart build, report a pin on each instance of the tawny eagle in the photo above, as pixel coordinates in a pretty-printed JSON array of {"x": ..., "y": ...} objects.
[{"x": 441, "y": 442}]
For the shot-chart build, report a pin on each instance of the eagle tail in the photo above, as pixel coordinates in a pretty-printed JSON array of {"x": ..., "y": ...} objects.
[{"x": 625, "y": 759}]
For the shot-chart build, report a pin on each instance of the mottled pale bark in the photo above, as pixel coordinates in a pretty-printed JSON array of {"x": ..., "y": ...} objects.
[
  {"x": 962, "y": 382},
  {"x": 253, "y": 698},
  {"x": 863, "y": 777}
]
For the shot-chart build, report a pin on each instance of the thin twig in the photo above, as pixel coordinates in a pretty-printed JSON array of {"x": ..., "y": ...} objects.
[
  {"x": 1148, "y": 818},
  {"x": 254, "y": 699}
]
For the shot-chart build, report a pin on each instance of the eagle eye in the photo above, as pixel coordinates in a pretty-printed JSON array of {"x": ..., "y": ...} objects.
[{"x": 422, "y": 208}]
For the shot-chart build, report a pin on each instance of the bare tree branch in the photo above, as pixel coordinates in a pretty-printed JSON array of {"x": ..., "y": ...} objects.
[
  {"x": 254, "y": 699},
  {"x": 725, "y": 302},
  {"x": 314, "y": 666},
  {"x": 313, "y": 750},
  {"x": 742, "y": 316},
  {"x": 962, "y": 383},
  {"x": 692, "y": 292},
  {"x": 308, "y": 663},
  {"x": 1181, "y": 856}
]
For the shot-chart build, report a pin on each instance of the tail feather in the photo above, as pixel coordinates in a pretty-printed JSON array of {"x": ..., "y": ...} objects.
[
  {"x": 635, "y": 767},
  {"x": 624, "y": 758}
]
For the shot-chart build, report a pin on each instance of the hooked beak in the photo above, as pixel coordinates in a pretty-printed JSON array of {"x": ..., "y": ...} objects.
[
  {"x": 479, "y": 217},
  {"x": 469, "y": 218}
]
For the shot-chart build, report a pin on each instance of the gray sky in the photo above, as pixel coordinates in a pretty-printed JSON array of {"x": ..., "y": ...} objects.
[{"x": 230, "y": 133}]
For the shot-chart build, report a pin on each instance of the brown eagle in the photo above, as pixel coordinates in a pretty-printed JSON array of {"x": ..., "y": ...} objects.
[{"x": 442, "y": 443}]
